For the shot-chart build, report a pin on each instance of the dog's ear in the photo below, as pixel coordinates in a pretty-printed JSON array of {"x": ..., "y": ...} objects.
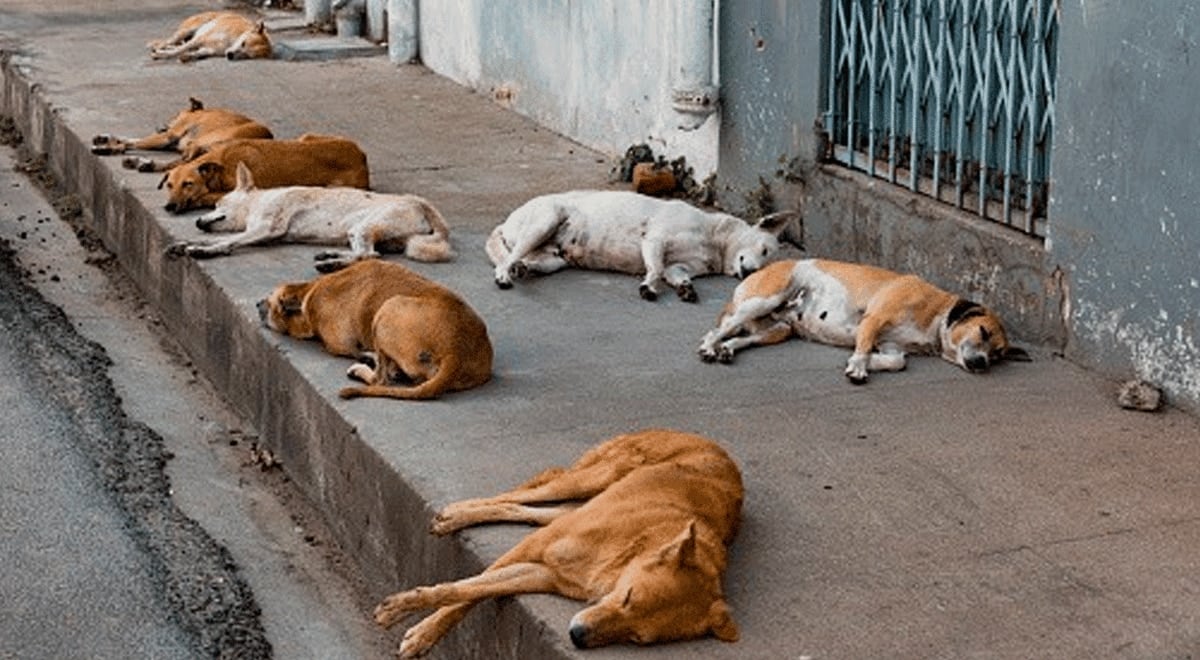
[
  {"x": 209, "y": 170},
  {"x": 1016, "y": 354},
  {"x": 776, "y": 222},
  {"x": 260, "y": 27},
  {"x": 290, "y": 305},
  {"x": 681, "y": 551},
  {"x": 245, "y": 180},
  {"x": 720, "y": 622},
  {"x": 195, "y": 103},
  {"x": 163, "y": 181},
  {"x": 963, "y": 310}
]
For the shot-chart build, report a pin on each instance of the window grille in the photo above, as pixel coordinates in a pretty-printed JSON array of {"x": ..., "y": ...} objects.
[{"x": 958, "y": 92}]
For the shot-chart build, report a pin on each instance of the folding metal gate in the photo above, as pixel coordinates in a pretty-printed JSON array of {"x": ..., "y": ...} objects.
[{"x": 951, "y": 98}]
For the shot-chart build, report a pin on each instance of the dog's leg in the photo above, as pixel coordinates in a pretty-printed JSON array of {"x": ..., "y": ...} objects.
[
  {"x": 109, "y": 145},
  {"x": 539, "y": 228},
  {"x": 143, "y": 164},
  {"x": 678, "y": 277},
  {"x": 869, "y": 331},
  {"x": 889, "y": 357},
  {"x": 774, "y": 333},
  {"x": 714, "y": 348},
  {"x": 507, "y": 579},
  {"x": 462, "y": 517},
  {"x": 422, "y": 636},
  {"x": 653, "y": 248}
]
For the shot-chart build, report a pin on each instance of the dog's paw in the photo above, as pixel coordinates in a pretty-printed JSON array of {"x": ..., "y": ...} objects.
[
  {"x": 394, "y": 608},
  {"x": 856, "y": 377},
  {"x": 503, "y": 284},
  {"x": 326, "y": 255},
  {"x": 360, "y": 372},
  {"x": 419, "y": 639},
  {"x": 725, "y": 355},
  {"x": 518, "y": 271},
  {"x": 647, "y": 293},
  {"x": 687, "y": 293},
  {"x": 330, "y": 265},
  {"x": 176, "y": 250},
  {"x": 102, "y": 139},
  {"x": 707, "y": 354}
]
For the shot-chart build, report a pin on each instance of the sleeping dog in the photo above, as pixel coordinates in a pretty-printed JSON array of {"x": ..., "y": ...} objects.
[
  {"x": 882, "y": 314},
  {"x": 668, "y": 240}
]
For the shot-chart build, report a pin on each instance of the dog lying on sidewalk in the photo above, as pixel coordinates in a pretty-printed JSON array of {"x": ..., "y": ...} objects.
[
  {"x": 417, "y": 338},
  {"x": 191, "y": 133},
  {"x": 646, "y": 549},
  {"x": 212, "y": 34},
  {"x": 882, "y": 314},
  {"x": 310, "y": 160},
  {"x": 669, "y": 241},
  {"x": 325, "y": 216}
]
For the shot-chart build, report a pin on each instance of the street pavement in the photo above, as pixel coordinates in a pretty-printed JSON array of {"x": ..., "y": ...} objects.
[{"x": 928, "y": 514}]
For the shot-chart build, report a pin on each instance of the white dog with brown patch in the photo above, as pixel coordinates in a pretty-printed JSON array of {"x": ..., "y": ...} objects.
[
  {"x": 370, "y": 222},
  {"x": 669, "y": 241},
  {"x": 882, "y": 314}
]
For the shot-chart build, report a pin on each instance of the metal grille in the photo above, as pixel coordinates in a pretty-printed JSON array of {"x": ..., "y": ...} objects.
[{"x": 953, "y": 99}]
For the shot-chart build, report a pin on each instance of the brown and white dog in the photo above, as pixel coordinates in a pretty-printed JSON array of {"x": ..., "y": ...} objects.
[
  {"x": 882, "y": 314},
  {"x": 310, "y": 160},
  {"x": 191, "y": 133},
  {"x": 422, "y": 338},
  {"x": 324, "y": 216},
  {"x": 646, "y": 549},
  {"x": 212, "y": 34},
  {"x": 669, "y": 241}
]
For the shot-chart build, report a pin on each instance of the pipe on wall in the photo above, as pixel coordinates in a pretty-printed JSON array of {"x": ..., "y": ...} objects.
[
  {"x": 694, "y": 95},
  {"x": 403, "y": 21}
]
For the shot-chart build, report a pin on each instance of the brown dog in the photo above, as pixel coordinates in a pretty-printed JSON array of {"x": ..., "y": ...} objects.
[
  {"x": 310, "y": 160},
  {"x": 191, "y": 133},
  {"x": 880, "y": 313},
  {"x": 213, "y": 33},
  {"x": 647, "y": 549},
  {"x": 412, "y": 328}
]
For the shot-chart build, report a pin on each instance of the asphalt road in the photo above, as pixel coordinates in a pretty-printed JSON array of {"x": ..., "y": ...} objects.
[{"x": 134, "y": 524}]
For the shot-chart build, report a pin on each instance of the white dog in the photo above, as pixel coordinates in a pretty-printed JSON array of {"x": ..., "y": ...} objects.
[
  {"x": 669, "y": 240},
  {"x": 366, "y": 220}
]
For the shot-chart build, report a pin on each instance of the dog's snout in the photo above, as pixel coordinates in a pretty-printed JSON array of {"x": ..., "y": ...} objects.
[
  {"x": 262, "y": 310},
  {"x": 976, "y": 363},
  {"x": 579, "y": 634},
  {"x": 171, "y": 207},
  {"x": 231, "y": 56}
]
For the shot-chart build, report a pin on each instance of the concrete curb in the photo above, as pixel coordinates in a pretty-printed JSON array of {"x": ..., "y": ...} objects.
[{"x": 388, "y": 536}]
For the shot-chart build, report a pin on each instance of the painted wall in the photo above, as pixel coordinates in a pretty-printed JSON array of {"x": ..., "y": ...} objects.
[
  {"x": 1125, "y": 209},
  {"x": 601, "y": 73}
]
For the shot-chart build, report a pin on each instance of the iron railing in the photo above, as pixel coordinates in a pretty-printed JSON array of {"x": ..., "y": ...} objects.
[{"x": 953, "y": 99}]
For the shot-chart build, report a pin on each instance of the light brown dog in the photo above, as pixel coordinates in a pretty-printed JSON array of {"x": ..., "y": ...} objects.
[
  {"x": 191, "y": 133},
  {"x": 647, "y": 549},
  {"x": 214, "y": 33},
  {"x": 413, "y": 329},
  {"x": 882, "y": 314},
  {"x": 310, "y": 160}
]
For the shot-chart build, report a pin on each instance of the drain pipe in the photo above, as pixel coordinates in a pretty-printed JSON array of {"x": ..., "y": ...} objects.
[
  {"x": 695, "y": 95},
  {"x": 403, "y": 18}
]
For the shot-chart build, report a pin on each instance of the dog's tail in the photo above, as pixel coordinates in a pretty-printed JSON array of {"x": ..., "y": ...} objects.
[
  {"x": 447, "y": 378},
  {"x": 497, "y": 251},
  {"x": 434, "y": 246}
]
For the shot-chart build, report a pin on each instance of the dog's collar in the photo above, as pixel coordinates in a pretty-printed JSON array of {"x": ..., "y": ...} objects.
[{"x": 963, "y": 310}]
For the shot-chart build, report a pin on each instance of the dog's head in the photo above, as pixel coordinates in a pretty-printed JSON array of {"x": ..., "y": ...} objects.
[
  {"x": 189, "y": 184},
  {"x": 663, "y": 597},
  {"x": 283, "y": 310},
  {"x": 752, "y": 246},
  {"x": 974, "y": 339},
  {"x": 232, "y": 212},
  {"x": 253, "y": 44}
]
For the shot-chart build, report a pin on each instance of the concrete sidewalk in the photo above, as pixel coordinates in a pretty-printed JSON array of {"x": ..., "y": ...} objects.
[{"x": 929, "y": 514}]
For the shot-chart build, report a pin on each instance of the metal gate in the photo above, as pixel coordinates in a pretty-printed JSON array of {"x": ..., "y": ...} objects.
[{"x": 953, "y": 99}]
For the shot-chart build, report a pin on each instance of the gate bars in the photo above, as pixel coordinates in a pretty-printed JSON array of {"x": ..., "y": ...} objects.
[{"x": 953, "y": 99}]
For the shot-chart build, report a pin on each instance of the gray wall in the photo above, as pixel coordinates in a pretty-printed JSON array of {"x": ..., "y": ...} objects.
[{"x": 1124, "y": 210}]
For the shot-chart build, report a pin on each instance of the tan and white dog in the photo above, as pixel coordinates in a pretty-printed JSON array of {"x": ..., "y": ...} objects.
[
  {"x": 415, "y": 338},
  {"x": 370, "y": 222},
  {"x": 191, "y": 133},
  {"x": 669, "y": 241},
  {"x": 309, "y": 160},
  {"x": 212, "y": 34},
  {"x": 882, "y": 314},
  {"x": 639, "y": 527}
]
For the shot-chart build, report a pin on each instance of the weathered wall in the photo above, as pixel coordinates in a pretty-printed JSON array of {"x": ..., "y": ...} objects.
[
  {"x": 599, "y": 72},
  {"x": 1124, "y": 221}
]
